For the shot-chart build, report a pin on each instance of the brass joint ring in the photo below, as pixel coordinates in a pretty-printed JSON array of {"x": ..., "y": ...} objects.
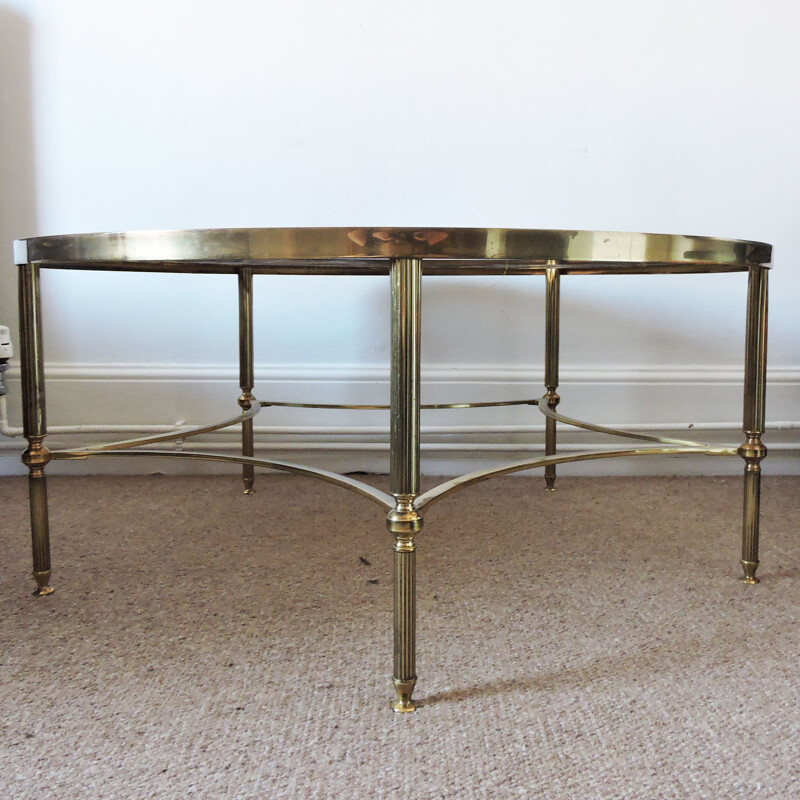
[
  {"x": 753, "y": 449},
  {"x": 404, "y": 519},
  {"x": 404, "y": 543},
  {"x": 36, "y": 457}
]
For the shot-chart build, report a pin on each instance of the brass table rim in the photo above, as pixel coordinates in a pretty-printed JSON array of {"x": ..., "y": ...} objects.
[{"x": 445, "y": 251}]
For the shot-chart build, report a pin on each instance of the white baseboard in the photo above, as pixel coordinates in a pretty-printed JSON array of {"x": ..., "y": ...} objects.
[{"x": 703, "y": 403}]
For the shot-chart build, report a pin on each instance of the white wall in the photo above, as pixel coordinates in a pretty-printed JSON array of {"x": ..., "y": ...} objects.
[{"x": 660, "y": 116}]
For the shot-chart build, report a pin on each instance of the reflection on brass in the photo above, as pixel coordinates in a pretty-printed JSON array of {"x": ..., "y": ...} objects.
[
  {"x": 551, "y": 347},
  {"x": 398, "y": 253},
  {"x": 246, "y": 373},
  {"x": 755, "y": 382}
]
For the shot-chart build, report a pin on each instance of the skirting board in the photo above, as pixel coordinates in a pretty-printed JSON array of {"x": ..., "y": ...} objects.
[{"x": 120, "y": 401}]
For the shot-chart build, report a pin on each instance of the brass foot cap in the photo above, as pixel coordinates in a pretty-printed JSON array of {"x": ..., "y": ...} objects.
[
  {"x": 248, "y": 491},
  {"x": 404, "y": 705},
  {"x": 549, "y": 488},
  {"x": 750, "y": 568},
  {"x": 404, "y": 689},
  {"x": 43, "y": 583}
]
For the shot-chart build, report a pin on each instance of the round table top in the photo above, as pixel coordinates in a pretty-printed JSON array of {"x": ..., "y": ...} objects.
[{"x": 365, "y": 250}]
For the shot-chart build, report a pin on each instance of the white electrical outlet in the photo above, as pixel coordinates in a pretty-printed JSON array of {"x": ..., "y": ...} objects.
[{"x": 6, "y": 349}]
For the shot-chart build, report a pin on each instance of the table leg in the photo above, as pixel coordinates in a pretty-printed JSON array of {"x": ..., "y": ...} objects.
[
  {"x": 246, "y": 374},
  {"x": 36, "y": 455},
  {"x": 753, "y": 451},
  {"x": 404, "y": 521},
  {"x": 552, "y": 304}
]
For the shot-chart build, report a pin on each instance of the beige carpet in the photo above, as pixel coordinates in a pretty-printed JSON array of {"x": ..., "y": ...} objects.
[{"x": 594, "y": 643}]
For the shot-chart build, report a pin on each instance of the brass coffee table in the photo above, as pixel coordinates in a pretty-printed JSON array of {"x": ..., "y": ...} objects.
[{"x": 404, "y": 254}]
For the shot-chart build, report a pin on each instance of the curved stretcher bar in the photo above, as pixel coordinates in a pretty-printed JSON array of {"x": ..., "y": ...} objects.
[
  {"x": 376, "y": 495},
  {"x": 174, "y": 437},
  {"x": 434, "y": 495},
  {"x": 424, "y": 407},
  {"x": 590, "y": 426}
]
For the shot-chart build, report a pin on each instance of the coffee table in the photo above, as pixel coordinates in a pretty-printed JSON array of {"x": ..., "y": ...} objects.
[{"x": 404, "y": 255}]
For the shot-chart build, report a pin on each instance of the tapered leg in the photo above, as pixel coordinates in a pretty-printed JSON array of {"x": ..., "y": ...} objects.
[
  {"x": 755, "y": 379},
  {"x": 403, "y": 521},
  {"x": 34, "y": 419},
  {"x": 552, "y": 305},
  {"x": 246, "y": 373}
]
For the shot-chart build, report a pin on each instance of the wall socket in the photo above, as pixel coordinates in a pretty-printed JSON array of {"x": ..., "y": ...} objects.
[
  {"x": 6, "y": 349},
  {"x": 6, "y": 352}
]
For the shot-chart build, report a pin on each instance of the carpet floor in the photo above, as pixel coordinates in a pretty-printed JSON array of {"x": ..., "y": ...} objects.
[{"x": 591, "y": 643}]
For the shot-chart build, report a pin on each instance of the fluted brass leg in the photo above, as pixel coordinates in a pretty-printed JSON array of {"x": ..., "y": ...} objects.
[
  {"x": 753, "y": 450},
  {"x": 403, "y": 521},
  {"x": 752, "y": 500},
  {"x": 34, "y": 420},
  {"x": 246, "y": 372},
  {"x": 552, "y": 306},
  {"x": 35, "y": 457},
  {"x": 248, "y": 472}
]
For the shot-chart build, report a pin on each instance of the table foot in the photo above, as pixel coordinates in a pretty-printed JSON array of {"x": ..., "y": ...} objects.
[
  {"x": 550, "y": 483},
  {"x": 248, "y": 486},
  {"x": 43, "y": 587},
  {"x": 750, "y": 568},
  {"x": 404, "y": 702}
]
